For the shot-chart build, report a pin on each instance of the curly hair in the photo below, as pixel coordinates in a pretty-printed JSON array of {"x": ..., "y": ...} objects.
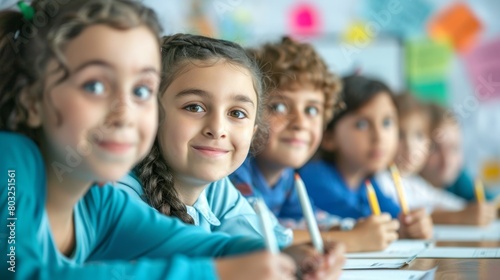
[
  {"x": 27, "y": 46},
  {"x": 289, "y": 65},
  {"x": 179, "y": 51}
]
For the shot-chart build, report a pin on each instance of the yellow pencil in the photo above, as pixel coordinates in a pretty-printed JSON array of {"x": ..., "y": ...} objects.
[
  {"x": 372, "y": 198},
  {"x": 396, "y": 177},
  {"x": 479, "y": 190}
]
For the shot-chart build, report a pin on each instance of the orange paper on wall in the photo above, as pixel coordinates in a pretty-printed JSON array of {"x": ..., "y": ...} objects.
[{"x": 458, "y": 24}]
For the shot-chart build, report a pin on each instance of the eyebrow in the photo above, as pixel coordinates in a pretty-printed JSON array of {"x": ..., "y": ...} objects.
[
  {"x": 205, "y": 94},
  {"x": 288, "y": 99},
  {"x": 105, "y": 64}
]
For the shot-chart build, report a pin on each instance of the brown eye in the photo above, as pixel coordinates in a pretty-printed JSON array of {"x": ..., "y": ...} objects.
[
  {"x": 195, "y": 108},
  {"x": 238, "y": 114}
]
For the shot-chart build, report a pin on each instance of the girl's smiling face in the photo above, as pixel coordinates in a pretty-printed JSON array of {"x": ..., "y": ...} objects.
[
  {"x": 102, "y": 119},
  {"x": 365, "y": 140},
  {"x": 209, "y": 121}
]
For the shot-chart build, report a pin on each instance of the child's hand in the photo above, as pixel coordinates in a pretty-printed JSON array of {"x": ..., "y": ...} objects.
[
  {"x": 313, "y": 265},
  {"x": 260, "y": 265},
  {"x": 480, "y": 214},
  {"x": 375, "y": 233},
  {"x": 416, "y": 224}
]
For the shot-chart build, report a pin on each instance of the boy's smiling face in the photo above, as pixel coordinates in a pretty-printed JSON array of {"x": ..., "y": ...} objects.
[{"x": 295, "y": 126}]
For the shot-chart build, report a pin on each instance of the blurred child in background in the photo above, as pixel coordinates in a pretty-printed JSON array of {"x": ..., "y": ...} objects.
[
  {"x": 361, "y": 140},
  {"x": 444, "y": 169},
  {"x": 413, "y": 151}
]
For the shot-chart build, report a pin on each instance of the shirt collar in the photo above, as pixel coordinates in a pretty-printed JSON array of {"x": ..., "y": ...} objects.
[{"x": 202, "y": 208}]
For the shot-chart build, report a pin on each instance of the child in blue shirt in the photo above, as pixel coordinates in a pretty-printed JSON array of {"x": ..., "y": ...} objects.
[
  {"x": 361, "y": 140},
  {"x": 213, "y": 203},
  {"x": 444, "y": 169},
  {"x": 211, "y": 99},
  {"x": 83, "y": 86}
]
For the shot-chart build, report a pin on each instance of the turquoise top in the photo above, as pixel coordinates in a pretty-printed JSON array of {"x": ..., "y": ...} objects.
[
  {"x": 116, "y": 237},
  {"x": 219, "y": 208}
]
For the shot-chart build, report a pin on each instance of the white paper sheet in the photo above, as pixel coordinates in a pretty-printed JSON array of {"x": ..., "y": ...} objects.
[
  {"x": 398, "y": 249},
  {"x": 467, "y": 233},
  {"x": 376, "y": 263},
  {"x": 460, "y": 253},
  {"x": 382, "y": 274}
]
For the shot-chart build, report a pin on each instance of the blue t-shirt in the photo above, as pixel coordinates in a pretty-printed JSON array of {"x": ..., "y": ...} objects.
[
  {"x": 115, "y": 237},
  {"x": 281, "y": 199},
  {"x": 219, "y": 208},
  {"x": 464, "y": 187},
  {"x": 330, "y": 192}
]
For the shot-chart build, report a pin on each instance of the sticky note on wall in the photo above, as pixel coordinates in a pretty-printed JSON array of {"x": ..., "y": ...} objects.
[
  {"x": 427, "y": 60},
  {"x": 404, "y": 19},
  {"x": 483, "y": 66},
  {"x": 457, "y": 24}
]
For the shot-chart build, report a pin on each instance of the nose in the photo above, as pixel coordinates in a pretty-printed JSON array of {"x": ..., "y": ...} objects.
[
  {"x": 120, "y": 111},
  {"x": 297, "y": 119},
  {"x": 376, "y": 133},
  {"x": 215, "y": 126}
]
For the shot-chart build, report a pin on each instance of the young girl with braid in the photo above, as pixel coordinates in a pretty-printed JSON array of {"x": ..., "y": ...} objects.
[{"x": 210, "y": 99}]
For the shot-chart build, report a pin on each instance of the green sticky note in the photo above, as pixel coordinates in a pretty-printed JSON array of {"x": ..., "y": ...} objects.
[
  {"x": 435, "y": 91},
  {"x": 426, "y": 59}
]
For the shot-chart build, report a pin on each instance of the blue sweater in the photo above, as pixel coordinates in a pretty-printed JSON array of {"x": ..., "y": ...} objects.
[
  {"x": 330, "y": 192},
  {"x": 116, "y": 237}
]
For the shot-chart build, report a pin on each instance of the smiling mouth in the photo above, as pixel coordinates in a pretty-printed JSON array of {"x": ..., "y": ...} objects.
[
  {"x": 294, "y": 142},
  {"x": 210, "y": 151},
  {"x": 115, "y": 147}
]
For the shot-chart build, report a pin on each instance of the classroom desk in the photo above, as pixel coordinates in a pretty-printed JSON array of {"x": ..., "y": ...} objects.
[{"x": 450, "y": 269}]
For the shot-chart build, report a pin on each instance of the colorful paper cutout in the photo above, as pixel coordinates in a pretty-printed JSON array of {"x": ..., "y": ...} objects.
[
  {"x": 357, "y": 34},
  {"x": 404, "y": 19},
  {"x": 483, "y": 65},
  {"x": 457, "y": 24},
  {"x": 305, "y": 20}
]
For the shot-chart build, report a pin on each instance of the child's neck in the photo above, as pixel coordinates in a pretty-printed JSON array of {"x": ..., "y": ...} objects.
[
  {"x": 189, "y": 190},
  {"x": 352, "y": 175},
  {"x": 271, "y": 172}
]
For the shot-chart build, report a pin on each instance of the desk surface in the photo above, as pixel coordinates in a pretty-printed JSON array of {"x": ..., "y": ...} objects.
[{"x": 461, "y": 268}]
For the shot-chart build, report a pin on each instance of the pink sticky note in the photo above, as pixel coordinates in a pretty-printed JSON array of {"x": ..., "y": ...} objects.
[
  {"x": 483, "y": 65},
  {"x": 304, "y": 20}
]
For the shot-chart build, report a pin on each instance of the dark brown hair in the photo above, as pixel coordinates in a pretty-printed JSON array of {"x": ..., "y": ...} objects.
[
  {"x": 26, "y": 46},
  {"x": 357, "y": 91},
  {"x": 177, "y": 52}
]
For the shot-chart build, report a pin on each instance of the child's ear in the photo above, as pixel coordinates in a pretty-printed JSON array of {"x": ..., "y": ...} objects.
[
  {"x": 328, "y": 141},
  {"x": 255, "y": 128},
  {"x": 34, "y": 108}
]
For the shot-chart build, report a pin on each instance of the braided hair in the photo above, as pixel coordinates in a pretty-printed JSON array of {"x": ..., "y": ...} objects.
[{"x": 178, "y": 51}]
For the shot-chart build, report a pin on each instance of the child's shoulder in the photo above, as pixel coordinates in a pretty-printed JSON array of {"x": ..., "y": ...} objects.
[
  {"x": 11, "y": 142},
  {"x": 21, "y": 153},
  {"x": 315, "y": 166}
]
